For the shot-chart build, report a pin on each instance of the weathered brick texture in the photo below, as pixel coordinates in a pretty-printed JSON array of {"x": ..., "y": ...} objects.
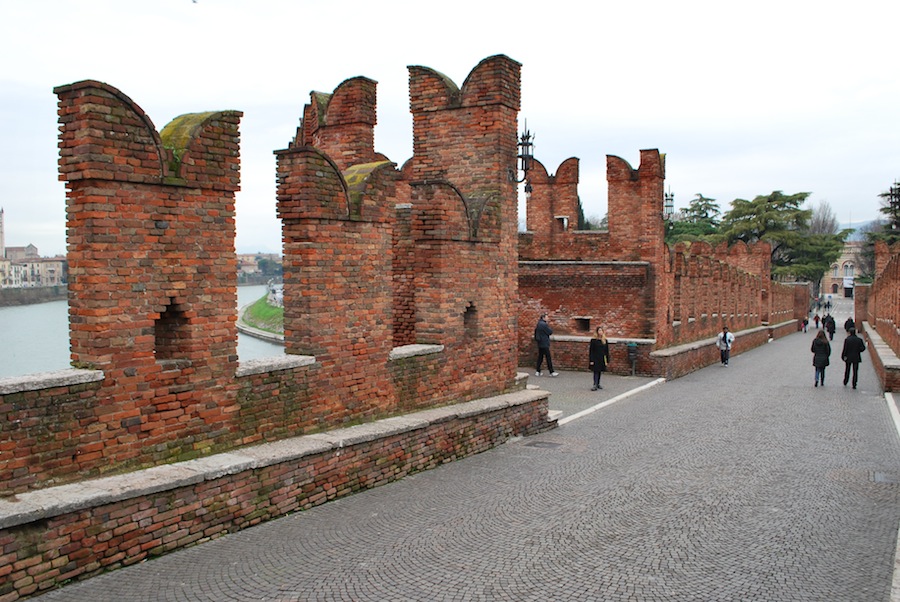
[
  {"x": 628, "y": 281},
  {"x": 400, "y": 290},
  {"x": 878, "y": 306}
]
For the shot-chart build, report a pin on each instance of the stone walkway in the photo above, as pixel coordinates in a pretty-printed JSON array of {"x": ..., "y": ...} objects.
[{"x": 743, "y": 483}]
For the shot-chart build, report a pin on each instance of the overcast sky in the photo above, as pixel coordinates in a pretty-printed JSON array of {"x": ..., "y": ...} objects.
[{"x": 743, "y": 98}]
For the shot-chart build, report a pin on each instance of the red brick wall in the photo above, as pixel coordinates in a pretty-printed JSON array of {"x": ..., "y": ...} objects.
[
  {"x": 153, "y": 274},
  {"x": 683, "y": 294},
  {"x": 152, "y": 279},
  {"x": 878, "y": 304},
  {"x": 37, "y": 556},
  {"x": 580, "y": 296}
]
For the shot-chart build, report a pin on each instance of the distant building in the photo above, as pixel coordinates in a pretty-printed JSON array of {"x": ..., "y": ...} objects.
[
  {"x": 22, "y": 267},
  {"x": 19, "y": 253},
  {"x": 258, "y": 268},
  {"x": 839, "y": 280}
]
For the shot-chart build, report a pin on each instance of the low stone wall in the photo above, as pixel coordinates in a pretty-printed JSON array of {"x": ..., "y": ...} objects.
[
  {"x": 684, "y": 359},
  {"x": 884, "y": 360},
  {"x": 571, "y": 352},
  {"x": 27, "y": 296},
  {"x": 75, "y": 531}
]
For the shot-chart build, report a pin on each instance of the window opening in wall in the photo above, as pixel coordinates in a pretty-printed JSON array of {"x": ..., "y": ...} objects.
[
  {"x": 563, "y": 221},
  {"x": 582, "y": 324},
  {"x": 470, "y": 323},
  {"x": 170, "y": 333}
]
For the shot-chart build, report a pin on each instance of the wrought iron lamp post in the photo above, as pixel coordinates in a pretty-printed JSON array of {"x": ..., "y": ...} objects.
[
  {"x": 525, "y": 156},
  {"x": 668, "y": 205}
]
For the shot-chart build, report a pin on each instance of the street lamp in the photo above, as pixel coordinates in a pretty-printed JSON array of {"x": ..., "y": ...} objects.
[
  {"x": 668, "y": 205},
  {"x": 525, "y": 157}
]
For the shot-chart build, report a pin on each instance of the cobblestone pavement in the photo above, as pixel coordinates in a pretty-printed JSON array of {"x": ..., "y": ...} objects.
[{"x": 743, "y": 483}]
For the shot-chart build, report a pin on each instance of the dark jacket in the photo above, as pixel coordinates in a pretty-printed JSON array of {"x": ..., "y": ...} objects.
[
  {"x": 598, "y": 355},
  {"x": 853, "y": 348},
  {"x": 829, "y": 324},
  {"x": 542, "y": 334},
  {"x": 849, "y": 324},
  {"x": 821, "y": 352}
]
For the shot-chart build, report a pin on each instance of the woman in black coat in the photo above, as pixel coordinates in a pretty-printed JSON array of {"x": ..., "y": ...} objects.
[
  {"x": 598, "y": 357},
  {"x": 821, "y": 350}
]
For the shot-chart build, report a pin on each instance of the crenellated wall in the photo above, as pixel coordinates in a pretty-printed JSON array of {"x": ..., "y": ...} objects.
[
  {"x": 399, "y": 298},
  {"x": 877, "y": 306},
  {"x": 628, "y": 280}
]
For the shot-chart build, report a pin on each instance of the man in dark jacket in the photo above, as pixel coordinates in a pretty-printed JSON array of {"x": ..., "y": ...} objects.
[
  {"x": 542, "y": 334},
  {"x": 830, "y": 326},
  {"x": 849, "y": 324},
  {"x": 852, "y": 355}
]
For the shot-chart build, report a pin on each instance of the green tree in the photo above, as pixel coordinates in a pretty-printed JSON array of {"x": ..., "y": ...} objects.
[
  {"x": 890, "y": 232},
  {"x": 889, "y": 209},
  {"x": 776, "y": 218},
  {"x": 782, "y": 221},
  {"x": 268, "y": 267},
  {"x": 698, "y": 221},
  {"x": 702, "y": 210}
]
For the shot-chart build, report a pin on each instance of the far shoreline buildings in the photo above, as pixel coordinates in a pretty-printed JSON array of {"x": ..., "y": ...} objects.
[{"x": 23, "y": 267}]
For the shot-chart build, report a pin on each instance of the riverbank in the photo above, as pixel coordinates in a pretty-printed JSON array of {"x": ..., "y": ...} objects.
[
  {"x": 262, "y": 321},
  {"x": 10, "y": 297}
]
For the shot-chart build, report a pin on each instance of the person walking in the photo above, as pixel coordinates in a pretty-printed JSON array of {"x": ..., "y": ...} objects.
[
  {"x": 724, "y": 341},
  {"x": 852, "y": 355},
  {"x": 598, "y": 357},
  {"x": 849, "y": 325},
  {"x": 830, "y": 326},
  {"x": 542, "y": 334},
  {"x": 805, "y": 324},
  {"x": 816, "y": 319},
  {"x": 821, "y": 350}
]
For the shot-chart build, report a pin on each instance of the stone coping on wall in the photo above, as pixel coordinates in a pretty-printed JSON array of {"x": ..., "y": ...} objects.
[
  {"x": 693, "y": 345},
  {"x": 49, "y": 380},
  {"x": 579, "y": 261},
  {"x": 879, "y": 347},
  {"x": 405, "y": 351},
  {"x": 54, "y": 501},
  {"x": 273, "y": 364},
  {"x": 569, "y": 338},
  {"x": 75, "y": 376}
]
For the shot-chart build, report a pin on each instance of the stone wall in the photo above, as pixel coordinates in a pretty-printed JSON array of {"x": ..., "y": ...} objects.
[{"x": 27, "y": 296}]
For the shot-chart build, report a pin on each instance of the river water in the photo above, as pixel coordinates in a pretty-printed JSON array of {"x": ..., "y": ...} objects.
[{"x": 35, "y": 338}]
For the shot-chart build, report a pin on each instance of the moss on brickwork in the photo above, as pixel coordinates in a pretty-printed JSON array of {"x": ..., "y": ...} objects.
[
  {"x": 356, "y": 177},
  {"x": 179, "y": 132},
  {"x": 321, "y": 99}
]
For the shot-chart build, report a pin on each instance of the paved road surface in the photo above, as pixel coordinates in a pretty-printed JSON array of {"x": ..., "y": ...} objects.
[{"x": 743, "y": 483}]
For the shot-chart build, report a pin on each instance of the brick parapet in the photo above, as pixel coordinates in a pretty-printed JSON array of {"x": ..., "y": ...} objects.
[
  {"x": 76, "y": 531},
  {"x": 342, "y": 124},
  {"x": 884, "y": 358},
  {"x": 151, "y": 272},
  {"x": 878, "y": 304},
  {"x": 687, "y": 292}
]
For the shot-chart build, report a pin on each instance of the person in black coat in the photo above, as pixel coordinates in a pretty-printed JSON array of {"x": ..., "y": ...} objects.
[
  {"x": 830, "y": 326},
  {"x": 849, "y": 324},
  {"x": 852, "y": 355},
  {"x": 598, "y": 357},
  {"x": 542, "y": 334},
  {"x": 821, "y": 350}
]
